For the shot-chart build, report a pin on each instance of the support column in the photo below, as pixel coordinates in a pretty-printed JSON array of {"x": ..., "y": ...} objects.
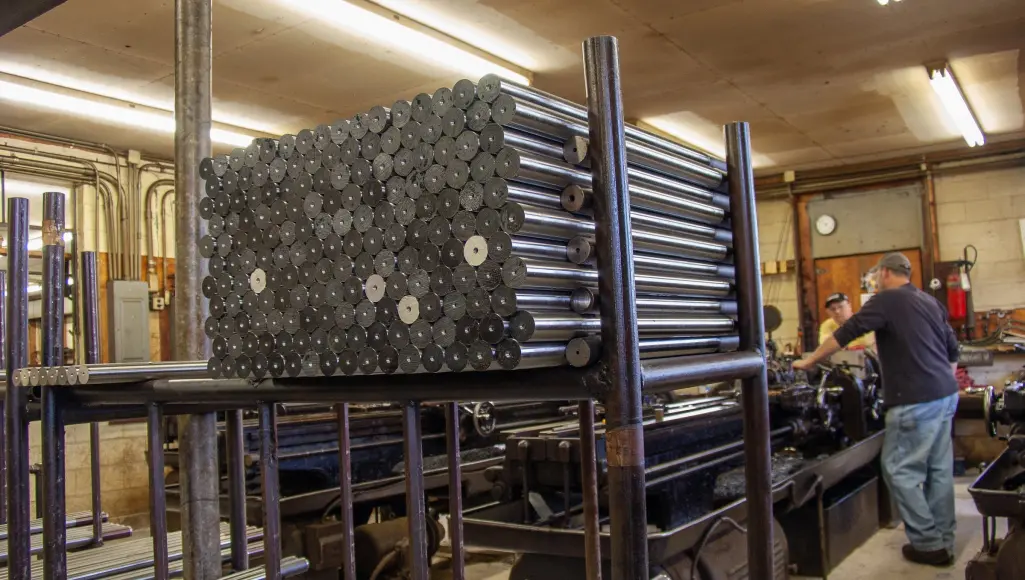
[
  {"x": 624, "y": 435},
  {"x": 19, "y": 558},
  {"x": 55, "y": 561},
  {"x": 198, "y": 433},
  {"x": 751, "y": 325}
]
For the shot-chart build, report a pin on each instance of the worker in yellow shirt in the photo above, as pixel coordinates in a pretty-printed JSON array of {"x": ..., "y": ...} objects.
[{"x": 839, "y": 308}]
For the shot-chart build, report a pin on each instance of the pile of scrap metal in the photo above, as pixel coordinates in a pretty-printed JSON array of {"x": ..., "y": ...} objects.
[
  {"x": 822, "y": 433},
  {"x": 999, "y": 493},
  {"x": 309, "y": 471}
]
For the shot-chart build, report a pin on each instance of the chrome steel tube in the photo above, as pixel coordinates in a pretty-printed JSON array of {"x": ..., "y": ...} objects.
[
  {"x": 550, "y": 326},
  {"x": 513, "y": 112},
  {"x": 585, "y": 351},
  {"x": 491, "y": 86},
  {"x": 553, "y": 224},
  {"x": 133, "y": 373},
  {"x": 580, "y": 250},
  {"x": 524, "y": 273},
  {"x": 512, "y": 354},
  {"x": 505, "y": 301},
  {"x": 586, "y": 301},
  {"x": 496, "y": 137},
  {"x": 542, "y": 170}
]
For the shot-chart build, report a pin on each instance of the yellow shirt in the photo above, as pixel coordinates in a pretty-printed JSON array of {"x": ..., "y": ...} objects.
[{"x": 830, "y": 326}]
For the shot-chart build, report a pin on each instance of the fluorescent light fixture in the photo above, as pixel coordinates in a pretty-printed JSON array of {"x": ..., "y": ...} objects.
[
  {"x": 950, "y": 94},
  {"x": 33, "y": 288},
  {"x": 697, "y": 132},
  {"x": 365, "y": 20},
  {"x": 110, "y": 112}
]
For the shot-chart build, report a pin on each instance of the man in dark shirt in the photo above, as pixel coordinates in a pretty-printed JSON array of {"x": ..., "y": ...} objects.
[{"x": 918, "y": 355}]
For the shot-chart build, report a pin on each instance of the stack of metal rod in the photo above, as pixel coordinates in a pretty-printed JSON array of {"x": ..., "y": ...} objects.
[{"x": 452, "y": 232}]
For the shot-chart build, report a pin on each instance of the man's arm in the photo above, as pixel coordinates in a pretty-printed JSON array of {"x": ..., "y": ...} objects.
[{"x": 824, "y": 351}]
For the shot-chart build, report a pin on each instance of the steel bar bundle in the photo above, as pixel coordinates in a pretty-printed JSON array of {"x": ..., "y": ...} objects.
[{"x": 451, "y": 232}]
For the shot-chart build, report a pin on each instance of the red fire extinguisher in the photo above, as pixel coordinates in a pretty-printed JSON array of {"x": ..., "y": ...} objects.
[{"x": 957, "y": 300}]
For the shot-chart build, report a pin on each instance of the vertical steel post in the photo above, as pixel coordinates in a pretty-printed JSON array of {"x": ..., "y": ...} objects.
[
  {"x": 345, "y": 492},
  {"x": 751, "y": 326},
  {"x": 589, "y": 485},
  {"x": 19, "y": 558},
  {"x": 157, "y": 491},
  {"x": 3, "y": 411},
  {"x": 271, "y": 491},
  {"x": 200, "y": 500},
  {"x": 624, "y": 435},
  {"x": 55, "y": 563},
  {"x": 416, "y": 508},
  {"x": 89, "y": 281},
  {"x": 235, "y": 450},
  {"x": 455, "y": 491}
]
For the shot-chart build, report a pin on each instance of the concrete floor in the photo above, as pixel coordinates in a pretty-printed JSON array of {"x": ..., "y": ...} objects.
[{"x": 879, "y": 558}]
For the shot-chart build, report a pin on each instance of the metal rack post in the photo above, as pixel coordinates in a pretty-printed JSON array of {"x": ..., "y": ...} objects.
[
  {"x": 54, "y": 509},
  {"x": 755, "y": 388},
  {"x": 624, "y": 437},
  {"x": 91, "y": 322},
  {"x": 19, "y": 558}
]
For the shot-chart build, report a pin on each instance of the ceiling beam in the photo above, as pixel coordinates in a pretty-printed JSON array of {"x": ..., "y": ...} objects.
[{"x": 19, "y": 12}]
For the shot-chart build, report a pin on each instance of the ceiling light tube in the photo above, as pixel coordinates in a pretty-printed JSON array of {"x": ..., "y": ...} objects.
[
  {"x": 379, "y": 25},
  {"x": 949, "y": 91},
  {"x": 81, "y": 104}
]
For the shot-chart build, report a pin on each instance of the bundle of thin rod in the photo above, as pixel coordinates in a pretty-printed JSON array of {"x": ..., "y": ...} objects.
[{"x": 452, "y": 232}]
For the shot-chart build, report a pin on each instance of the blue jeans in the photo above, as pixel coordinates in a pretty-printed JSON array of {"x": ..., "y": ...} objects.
[{"x": 918, "y": 465}]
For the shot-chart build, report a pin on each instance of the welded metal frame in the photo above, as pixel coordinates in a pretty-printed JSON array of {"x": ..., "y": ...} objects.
[{"x": 619, "y": 379}]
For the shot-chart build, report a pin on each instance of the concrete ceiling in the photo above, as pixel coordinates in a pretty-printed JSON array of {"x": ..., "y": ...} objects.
[{"x": 823, "y": 82}]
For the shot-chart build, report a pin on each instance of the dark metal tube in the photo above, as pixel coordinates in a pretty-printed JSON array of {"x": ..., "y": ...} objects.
[
  {"x": 3, "y": 365},
  {"x": 89, "y": 281},
  {"x": 490, "y": 86},
  {"x": 754, "y": 389},
  {"x": 589, "y": 487},
  {"x": 624, "y": 435},
  {"x": 192, "y": 112},
  {"x": 455, "y": 490},
  {"x": 234, "y": 447},
  {"x": 667, "y": 374},
  {"x": 416, "y": 508},
  {"x": 271, "y": 490},
  {"x": 55, "y": 563},
  {"x": 345, "y": 489},
  {"x": 18, "y": 490},
  {"x": 157, "y": 491}
]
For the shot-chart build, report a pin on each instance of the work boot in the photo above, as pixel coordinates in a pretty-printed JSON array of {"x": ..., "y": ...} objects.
[{"x": 940, "y": 558}]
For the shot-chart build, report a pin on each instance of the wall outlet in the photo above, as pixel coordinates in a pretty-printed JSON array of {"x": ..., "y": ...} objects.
[{"x": 156, "y": 302}]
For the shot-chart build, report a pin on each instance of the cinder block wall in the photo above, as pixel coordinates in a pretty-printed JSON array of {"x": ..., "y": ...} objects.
[
  {"x": 123, "y": 475},
  {"x": 983, "y": 209},
  {"x": 776, "y": 242}
]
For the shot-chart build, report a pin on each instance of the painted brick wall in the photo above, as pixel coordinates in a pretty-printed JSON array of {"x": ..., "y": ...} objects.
[
  {"x": 123, "y": 476},
  {"x": 983, "y": 209},
  {"x": 776, "y": 242}
]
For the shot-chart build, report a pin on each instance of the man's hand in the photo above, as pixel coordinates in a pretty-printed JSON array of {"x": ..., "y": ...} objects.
[{"x": 804, "y": 364}]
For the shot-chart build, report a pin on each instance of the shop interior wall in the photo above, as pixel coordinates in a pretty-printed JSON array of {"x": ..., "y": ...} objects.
[{"x": 123, "y": 445}]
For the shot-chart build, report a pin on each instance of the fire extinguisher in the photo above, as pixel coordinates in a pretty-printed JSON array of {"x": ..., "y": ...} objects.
[{"x": 957, "y": 298}]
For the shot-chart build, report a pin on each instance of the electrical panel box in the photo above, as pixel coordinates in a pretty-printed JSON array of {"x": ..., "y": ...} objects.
[{"x": 128, "y": 308}]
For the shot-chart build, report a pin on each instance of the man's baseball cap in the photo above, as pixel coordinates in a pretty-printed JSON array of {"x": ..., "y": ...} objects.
[
  {"x": 834, "y": 298},
  {"x": 895, "y": 262}
]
